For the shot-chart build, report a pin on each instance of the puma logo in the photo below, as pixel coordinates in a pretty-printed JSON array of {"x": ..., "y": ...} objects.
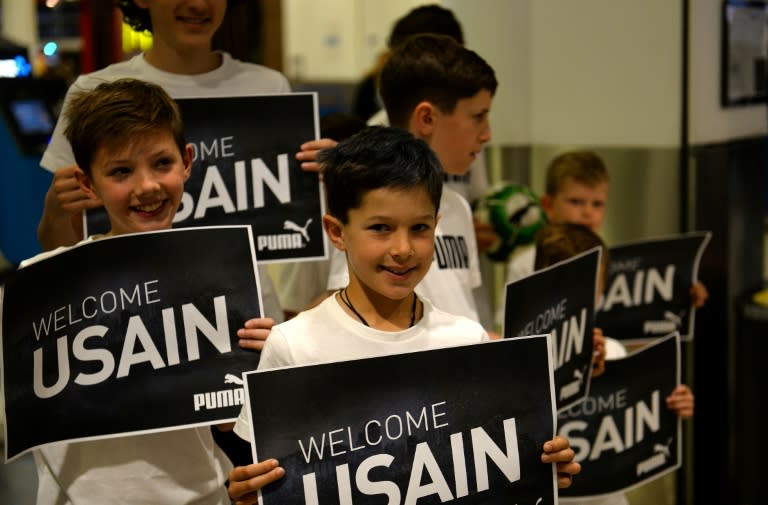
[{"x": 291, "y": 226}]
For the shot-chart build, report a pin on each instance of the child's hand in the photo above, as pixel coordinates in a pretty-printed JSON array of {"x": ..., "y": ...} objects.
[
  {"x": 485, "y": 235},
  {"x": 245, "y": 481},
  {"x": 699, "y": 294},
  {"x": 308, "y": 154},
  {"x": 558, "y": 450},
  {"x": 598, "y": 352},
  {"x": 65, "y": 193},
  {"x": 681, "y": 401},
  {"x": 255, "y": 332}
]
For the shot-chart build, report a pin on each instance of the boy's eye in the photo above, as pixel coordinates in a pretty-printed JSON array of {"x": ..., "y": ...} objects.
[
  {"x": 163, "y": 162},
  {"x": 421, "y": 227},
  {"x": 118, "y": 171},
  {"x": 379, "y": 227}
]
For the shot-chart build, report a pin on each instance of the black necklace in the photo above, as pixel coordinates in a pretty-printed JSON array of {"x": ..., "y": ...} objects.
[{"x": 345, "y": 298}]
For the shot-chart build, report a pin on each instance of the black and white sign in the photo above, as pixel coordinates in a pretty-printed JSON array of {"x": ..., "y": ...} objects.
[
  {"x": 560, "y": 300},
  {"x": 461, "y": 425},
  {"x": 134, "y": 333},
  {"x": 245, "y": 172},
  {"x": 623, "y": 433},
  {"x": 647, "y": 292}
]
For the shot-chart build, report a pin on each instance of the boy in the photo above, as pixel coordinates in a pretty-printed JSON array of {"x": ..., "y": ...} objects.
[
  {"x": 127, "y": 139},
  {"x": 576, "y": 191},
  {"x": 558, "y": 242},
  {"x": 441, "y": 93},
  {"x": 384, "y": 192},
  {"x": 182, "y": 61}
]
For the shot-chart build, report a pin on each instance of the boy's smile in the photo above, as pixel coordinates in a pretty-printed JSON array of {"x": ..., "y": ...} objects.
[
  {"x": 183, "y": 25},
  {"x": 389, "y": 241},
  {"x": 141, "y": 184}
]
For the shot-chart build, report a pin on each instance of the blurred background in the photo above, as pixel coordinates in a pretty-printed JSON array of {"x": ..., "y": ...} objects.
[{"x": 671, "y": 93}]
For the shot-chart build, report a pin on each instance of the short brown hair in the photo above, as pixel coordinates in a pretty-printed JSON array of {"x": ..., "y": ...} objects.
[
  {"x": 585, "y": 167},
  {"x": 433, "y": 68},
  {"x": 113, "y": 111},
  {"x": 558, "y": 242}
]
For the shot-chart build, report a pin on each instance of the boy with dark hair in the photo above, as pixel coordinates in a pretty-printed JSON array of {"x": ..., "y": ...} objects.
[
  {"x": 441, "y": 92},
  {"x": 384, "y": 192},
  {"x": 127, "y": 138}
]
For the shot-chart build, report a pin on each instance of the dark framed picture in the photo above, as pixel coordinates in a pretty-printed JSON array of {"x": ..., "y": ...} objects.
[{"x": 744, "y": 53}]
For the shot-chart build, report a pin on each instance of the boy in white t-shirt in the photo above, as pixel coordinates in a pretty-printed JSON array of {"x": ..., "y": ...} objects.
[
  {"x": 441, "y": 92},
  {"x": 384, "y": 192},
  {"x": 128, "y": 140}
]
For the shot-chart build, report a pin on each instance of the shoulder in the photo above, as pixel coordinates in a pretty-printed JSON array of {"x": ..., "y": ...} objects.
[
  {"x": 452, "y": 325},
  {"x": 254, "y": 78}
]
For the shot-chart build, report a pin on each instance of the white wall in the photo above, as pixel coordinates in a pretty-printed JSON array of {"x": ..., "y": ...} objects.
[
  {"x": 605, "y": 72},
  {"x": 708, "y": 120},
  {"x": 337, "y": 40},
  {"x": 499, "y": 31},
  {"x": 20, "y": 23}
]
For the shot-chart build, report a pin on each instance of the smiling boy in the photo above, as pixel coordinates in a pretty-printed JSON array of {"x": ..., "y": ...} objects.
[{"x": 384, "y": 190}]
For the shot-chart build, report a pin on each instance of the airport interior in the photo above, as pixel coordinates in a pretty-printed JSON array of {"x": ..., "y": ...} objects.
[{"x": 672, "y": 94}]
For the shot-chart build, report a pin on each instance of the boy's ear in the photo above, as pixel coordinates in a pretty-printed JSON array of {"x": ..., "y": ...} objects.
[
  {"x": 335, "y": 230},
  {"x": 423, "y": 119},
  {"x": 86, "y": 184},
  {"x": 186, "y": 156},
  {"x": 546, "y": 205}
]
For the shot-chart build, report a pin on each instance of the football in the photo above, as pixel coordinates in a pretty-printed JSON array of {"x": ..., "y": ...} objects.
[{"x": 515, "y": 214}]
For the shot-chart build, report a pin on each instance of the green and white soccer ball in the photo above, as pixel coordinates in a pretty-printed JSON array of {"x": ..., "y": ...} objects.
[{"x": 515, "y": 214}]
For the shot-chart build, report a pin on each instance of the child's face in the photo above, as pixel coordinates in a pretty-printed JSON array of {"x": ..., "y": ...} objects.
[
  {"x": 577, "y": 203},
  {"x": 140, "y": 183},
  {"x": 458, "y": 138},
  {"x": 184, "y": 24},
  {"x": 389, "y": 240}
]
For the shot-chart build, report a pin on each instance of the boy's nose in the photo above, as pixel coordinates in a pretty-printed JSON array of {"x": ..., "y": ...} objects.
[
  {"x": 485, "y": 136},
  {"x": 402, "y": 247},
  {"x": 146, "y": 182}
]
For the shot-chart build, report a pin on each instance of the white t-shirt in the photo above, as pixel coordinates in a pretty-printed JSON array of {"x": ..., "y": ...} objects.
[
  {"x": 455, "y": 269},
  {"x": 231, "y": 78},
  {"x": 170, "y": 468},
  {"x": 327, "y": 333}
]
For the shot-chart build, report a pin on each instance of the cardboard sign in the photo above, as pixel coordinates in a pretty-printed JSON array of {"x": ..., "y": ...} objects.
[
  {"x": 245, "y": 172},
  {"x": 647, "y": 292},
  {"x": 623, "y": 433},
  {"x": 460, "y": 425},
  {"x": 560, "y": 300},
  {"x": 129, "y": 334}
]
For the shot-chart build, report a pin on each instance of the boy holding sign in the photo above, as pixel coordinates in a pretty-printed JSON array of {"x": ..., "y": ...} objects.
[
  {"x": 383, "y": 190},
  {"x": 576, "y": 191},
  {"x": 127, "y": 138},
  {"x": 558, "y": 242}
]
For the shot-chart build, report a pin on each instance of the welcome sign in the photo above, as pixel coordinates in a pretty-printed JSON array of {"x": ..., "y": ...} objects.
[
  {"x": 623, "y": 433},
  {"x": 129, "y": 334},
  {"x": 456, "y": 425},
  {"x": 559, "y": 300},
  {"x": 647, "y": 291},
  {"x": 245, "y": 172}
]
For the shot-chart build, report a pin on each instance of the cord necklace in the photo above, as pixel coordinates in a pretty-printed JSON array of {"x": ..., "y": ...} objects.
[{"x": 345, "y": 298}]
